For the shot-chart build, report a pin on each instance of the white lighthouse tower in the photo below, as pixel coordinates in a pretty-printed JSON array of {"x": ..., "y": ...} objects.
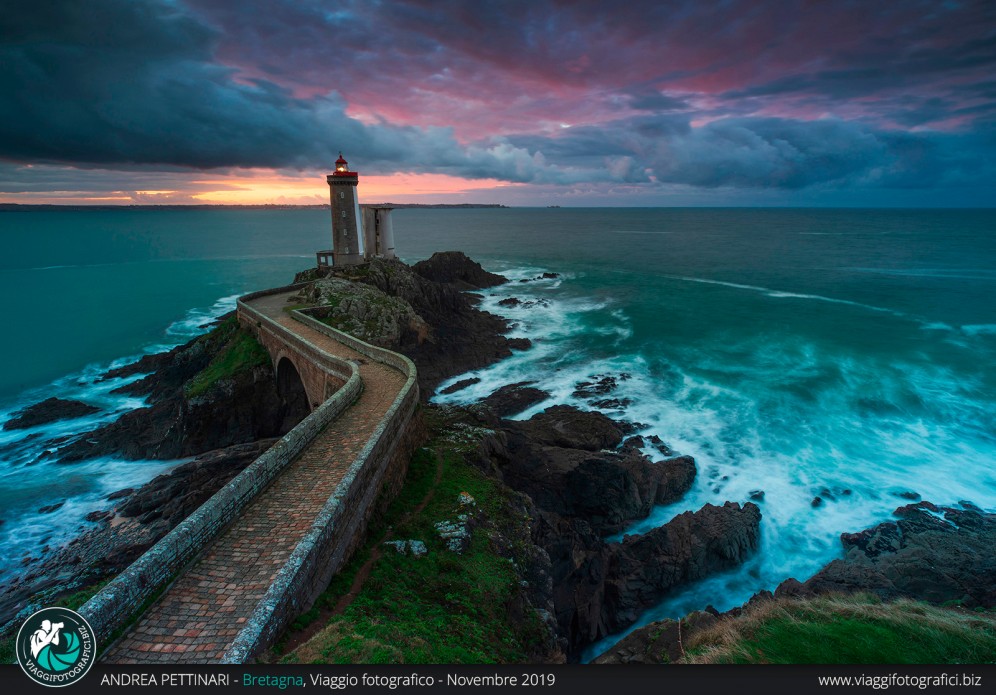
[
  {"x": 347, "y": 242},
  {"x": 356, "y": 237}
]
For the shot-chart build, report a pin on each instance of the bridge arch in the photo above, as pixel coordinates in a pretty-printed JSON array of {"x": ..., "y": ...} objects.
[{"x": 292, "y": 392}]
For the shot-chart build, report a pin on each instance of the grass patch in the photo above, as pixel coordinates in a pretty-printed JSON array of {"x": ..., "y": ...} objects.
[
  {"x": 848, "y": 630},
  {"x": 7, "y": 655},
  {"x": 241, "y": 352},
  {"x": 76, "y": 599},
  {"x": 444, "y": 607}
]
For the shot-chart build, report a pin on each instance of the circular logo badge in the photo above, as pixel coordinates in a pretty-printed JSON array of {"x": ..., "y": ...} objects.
[{"x": 55, "y": 647}]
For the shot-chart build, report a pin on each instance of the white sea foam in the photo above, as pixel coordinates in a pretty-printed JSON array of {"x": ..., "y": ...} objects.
[
  {"x": 83, "y": 488},
  {"x": 980, "y": 329},
  {"x": 780, "y": 294},
  {"x": 197, "y": 320}
]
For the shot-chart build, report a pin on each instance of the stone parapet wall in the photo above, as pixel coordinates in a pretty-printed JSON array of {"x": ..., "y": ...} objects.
[
  {"x": 336, "y": 532},
  {"x": 114, "y": 605}
]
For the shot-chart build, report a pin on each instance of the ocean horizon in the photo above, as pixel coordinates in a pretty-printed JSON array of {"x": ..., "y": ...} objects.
[{"x": 804, "y": 353}]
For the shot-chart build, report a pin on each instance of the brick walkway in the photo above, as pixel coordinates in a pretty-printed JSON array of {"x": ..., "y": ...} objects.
[{"x": 203, "y": 610}]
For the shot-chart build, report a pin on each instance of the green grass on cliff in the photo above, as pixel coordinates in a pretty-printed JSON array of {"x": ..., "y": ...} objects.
[
  {"x": 241, "y": 352},
  {"x": 444, "y": 607},
  {"x": 856, "y": 629}
]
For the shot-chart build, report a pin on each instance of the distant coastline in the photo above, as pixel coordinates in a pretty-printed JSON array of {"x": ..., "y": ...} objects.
[{"x": 20, "y": 207}]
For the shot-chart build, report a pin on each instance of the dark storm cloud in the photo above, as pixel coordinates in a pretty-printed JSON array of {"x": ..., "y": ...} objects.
[
  {"x": 736, "y": 94},
  {"x": 118, "y": 82},
  {"x": 770, "y": 153}
]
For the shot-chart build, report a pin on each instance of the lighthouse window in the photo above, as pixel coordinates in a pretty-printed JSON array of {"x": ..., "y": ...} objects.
[
  {"x": 342, "y": 194},
  {"x": 343, "y": 213}
]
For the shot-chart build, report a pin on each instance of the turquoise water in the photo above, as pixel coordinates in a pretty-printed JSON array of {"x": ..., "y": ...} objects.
[{"x": 789, "y": 351}]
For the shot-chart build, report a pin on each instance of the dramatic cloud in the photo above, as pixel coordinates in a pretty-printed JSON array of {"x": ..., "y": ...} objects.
[{"x": 642, "y": 95}]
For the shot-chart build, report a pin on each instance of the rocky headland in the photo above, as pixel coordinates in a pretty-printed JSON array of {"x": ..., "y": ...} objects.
[{"x": 568, "y": 478}]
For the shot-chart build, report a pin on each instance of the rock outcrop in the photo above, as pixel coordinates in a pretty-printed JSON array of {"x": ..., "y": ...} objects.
[
  {"x": 935, "y": 554},
  {"x": 584, "y": 485},
  {"x": 455, "y": 268},
  {"x": 566, "y": 460},
  {"x": 600, "y": 588},
  {"x": 514, "y": 398},
  {"x": 420, "y": 311},
  {"x": 49, "y": 410}
]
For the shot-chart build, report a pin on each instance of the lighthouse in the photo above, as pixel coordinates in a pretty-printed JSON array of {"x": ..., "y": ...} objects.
[
  {"x": 359, "y": 232},
  {"x": 347, "y": 241}
]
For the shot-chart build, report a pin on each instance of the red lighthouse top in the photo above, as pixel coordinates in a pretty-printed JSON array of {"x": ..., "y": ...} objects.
[{"x": 342, "y": 167}]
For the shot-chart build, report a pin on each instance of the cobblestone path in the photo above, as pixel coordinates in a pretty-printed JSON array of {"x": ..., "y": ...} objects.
[{"x": 200, "y": 614}]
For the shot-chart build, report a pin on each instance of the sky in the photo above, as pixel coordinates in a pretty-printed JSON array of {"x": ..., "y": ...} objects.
[{"x": 532, "y": 102}]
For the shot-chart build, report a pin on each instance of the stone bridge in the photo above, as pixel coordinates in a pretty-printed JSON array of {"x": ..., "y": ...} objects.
[
  {"x": 297, "y": 364},
  {"x": 223, "y": 584}
]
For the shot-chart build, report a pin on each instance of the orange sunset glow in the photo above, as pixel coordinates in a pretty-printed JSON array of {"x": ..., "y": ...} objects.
[
  {"x": 292, "y": 190},
  {"x": 269, "y": 187}
]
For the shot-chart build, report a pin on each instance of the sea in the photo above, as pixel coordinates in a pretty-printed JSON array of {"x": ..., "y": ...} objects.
[{"x": 845, "y": 355}]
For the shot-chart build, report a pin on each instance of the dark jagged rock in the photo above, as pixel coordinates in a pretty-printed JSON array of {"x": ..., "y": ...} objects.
[
  {"x": 460, "y": 385},
  {"x": 49, "y": 508},
  {"x": 510, "y": 301},
  {"x": 691, "y": 546},
  {"x": 600, "y": 588},
  {"x": 921, "y": 556},
  {"x": 598, "y": 385},
  {"x": 564, "y": 459},
  {"x": 519, "y": 343},
  {"x": 640, "y": 441},
  {"x": 49, "y": 410},
  {"x": 514, "y": 398},
  {"x": 454, "y": 268},
  {"x": 242, "y": 409},
  {"x": 566, "y": 426},
  {"x": 544, "y": 276}
]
